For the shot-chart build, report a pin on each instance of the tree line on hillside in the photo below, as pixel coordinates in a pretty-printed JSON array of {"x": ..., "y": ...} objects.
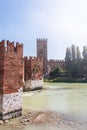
[{"x": 75, "y": 64}]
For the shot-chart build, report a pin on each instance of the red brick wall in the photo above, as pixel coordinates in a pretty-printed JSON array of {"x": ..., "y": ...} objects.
[
  {"x": 2, "y": 49},
  {"x": 26, "y": 68},
  {"x": 33, "y": 68},
  {"x": 52, "y": 64},
  {"x": 11, "y": 66}
]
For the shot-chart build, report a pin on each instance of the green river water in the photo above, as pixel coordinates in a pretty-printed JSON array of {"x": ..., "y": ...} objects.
[{"x": 67, "y": 98}]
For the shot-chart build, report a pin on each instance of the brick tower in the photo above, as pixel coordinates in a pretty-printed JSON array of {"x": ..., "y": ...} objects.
[
  {"x": 11, "y": 79},
  {"x": 33, "y": 73},
  {"x": 42, "y": 52}
]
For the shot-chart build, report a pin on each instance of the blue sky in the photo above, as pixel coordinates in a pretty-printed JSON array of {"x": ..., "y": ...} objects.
[{"x": 62, "y": 22}]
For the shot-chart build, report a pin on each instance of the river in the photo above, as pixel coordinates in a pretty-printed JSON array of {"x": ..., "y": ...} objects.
[
  {"x": 61, "y": 97},
  {"x": 64, "y": 98}
]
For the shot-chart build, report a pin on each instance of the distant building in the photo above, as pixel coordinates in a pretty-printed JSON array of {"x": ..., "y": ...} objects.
[
  {"x": 52, "y": 64},
  {"x": 42, "y": 52},
  {"x": 33, "y": 73}
]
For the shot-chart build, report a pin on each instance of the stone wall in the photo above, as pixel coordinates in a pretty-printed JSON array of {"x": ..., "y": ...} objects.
[
  {"x": 33, "y": 84},
  {"x": 12, "y": 101},
  {"x": 12, "y": 104},
  {"x": 1, "y": 104}
]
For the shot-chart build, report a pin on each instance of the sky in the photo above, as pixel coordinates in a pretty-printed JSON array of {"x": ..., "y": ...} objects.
[{"x": 62, "y": 22}]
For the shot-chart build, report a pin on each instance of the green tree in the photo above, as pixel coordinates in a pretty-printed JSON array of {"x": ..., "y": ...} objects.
[
  {"x": 68, "y": 61},
  {"x": 73, "y": 61},
  {"x": 78, "y": 56},
  {"x": 85, "y": 60},
  {"x": 73, "y": 52},
  {"x": 78, "y": 62},
  {"x": 56, "y": 72}
]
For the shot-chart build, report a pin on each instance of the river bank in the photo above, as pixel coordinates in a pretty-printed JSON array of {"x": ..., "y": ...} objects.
[
  {"x": 65, "y": 80},
  {"x": 49, "y": 119}
]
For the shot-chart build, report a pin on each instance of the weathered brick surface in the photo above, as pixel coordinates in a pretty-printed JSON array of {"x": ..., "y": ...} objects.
[
  {"x": 2, "y": 49},
  {"x": 52, "y": 64},
  {"x": 33, "y": 68},
  {"x": 11, "y": 77},
  {"x": 11, "y": 66}
]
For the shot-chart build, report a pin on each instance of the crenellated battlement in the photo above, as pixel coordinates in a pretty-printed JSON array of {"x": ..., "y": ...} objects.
[
  {"x": 19, "y": 47},
  {"x": 2, "y": 46},
  {"x": 31, "y": 58},
  {"x": 56, "y": 61},
  {"x": 33, "y": 67},
  {"x": 7, "y": 46},
  {"x": 41, "y": 40}
]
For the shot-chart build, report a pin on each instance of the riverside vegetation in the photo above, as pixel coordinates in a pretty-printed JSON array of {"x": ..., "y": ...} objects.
[{"x": 75, "y": 69}]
